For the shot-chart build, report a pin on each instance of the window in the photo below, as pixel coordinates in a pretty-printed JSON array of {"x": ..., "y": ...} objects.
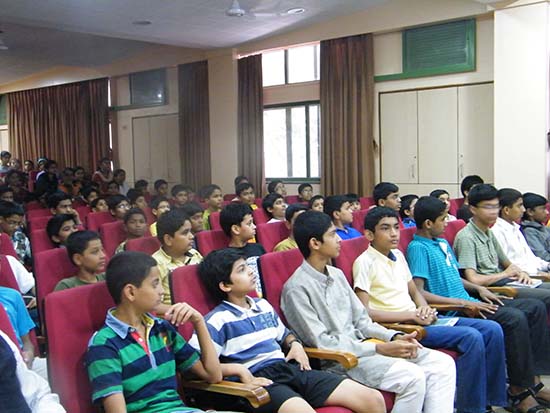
[
  {"x": 148, "y": 88},
  {"x": 291, "y": 141},
  {"x": 293, "y": 65}
]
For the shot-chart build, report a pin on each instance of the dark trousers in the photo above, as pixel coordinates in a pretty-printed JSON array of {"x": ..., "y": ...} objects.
[{"x": 526, "y": 338}]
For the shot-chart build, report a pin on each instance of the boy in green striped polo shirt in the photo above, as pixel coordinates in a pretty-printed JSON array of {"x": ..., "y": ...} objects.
[{"x": 132, "y": 359}]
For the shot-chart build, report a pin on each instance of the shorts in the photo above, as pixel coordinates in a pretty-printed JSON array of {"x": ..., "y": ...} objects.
[{"x": 289, "y": 381}]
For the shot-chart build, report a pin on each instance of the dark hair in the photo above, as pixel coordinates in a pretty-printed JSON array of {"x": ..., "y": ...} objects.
[
  {"x": 480, "y": 193},
  {"x": 293, "y": 209},
  {"x": 428, "y": 208},
  {"x": 155, "y": 202},
  {"x": 208, "y": 190},
  {"x": 376, "y": 214},
  {"x": 158, "y": 183},
  {"x": 49, "y": 163},
  {"x": 12, "y": 172},
  {"x": 192, "y": 208},
  {"x": 170, "y": 222},
  {"x": 233, "y": 214},
  {"x": 304, "y": 186},
  {"x": 114, "y": 200},
  {"x": 406, "y": 201},
  {"x": 134, "y": 211},
  {"x": 531, "y": 200},
  {"x": 28, "y": 161},
  {"x": 79, "y": 168},
  {"x": 313, "y": 199},
  {"x": 334, "y": 203},
  {"x": 436, "y": 193},
  {"x": 310, "y": 224},
  {"x": 468, "y": 182},
  {"x": 133, "y": 194},
  {"x": 94, "y": 203},
  {"x": 78, "y": 242},
  {"x": 5, "y": 153},
  {"x": 55, "y": 198},
  {"x": 56, "y": 222},
  {"x": 507, "y": 197},
  {"x": 128, "y": 267},
  {"x": 269, "y": 201},
  {"x": 118, "y": 172},
  {"x": 142, "y": 183},
  {"x": 86, "y": 192},
  {"x": 67, "y": 170},
  {"x": 352, "y": 197},
  {"x": 113, "y": 182},
  {"x": 4, "y": 189},
  {"x": 382, "y": 190},
  {"x": 7, "y": 209},
  {"x": 239, "y": 179},
  {"x": 216, "y": 268},
  {"x": 271, "y": 186},
  {"x": 239, "y": 189},
  {"x": 176, "y": 189}
]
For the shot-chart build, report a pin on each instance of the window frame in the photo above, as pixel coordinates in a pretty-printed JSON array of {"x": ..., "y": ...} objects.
[
  {"x": 316, "y": 69},
  {"x": 288, "y": 106}
]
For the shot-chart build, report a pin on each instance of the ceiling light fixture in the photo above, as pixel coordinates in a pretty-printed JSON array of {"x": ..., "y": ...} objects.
[
  {"x": 296, "y": 10},
  {"x": 142, "y": 22},
  {"x": 3, "y": 45}
]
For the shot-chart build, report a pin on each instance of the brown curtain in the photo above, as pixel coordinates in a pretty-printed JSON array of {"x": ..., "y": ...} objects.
[
  {"x": 194, "y": 124},
  {"x": 347, "y": 97},
  {"x": 68, "y": 123},
  {"x": 251, "y": 121}
]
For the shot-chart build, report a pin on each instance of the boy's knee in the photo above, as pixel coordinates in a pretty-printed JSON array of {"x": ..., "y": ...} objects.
[{"x": 414, "y": 380}]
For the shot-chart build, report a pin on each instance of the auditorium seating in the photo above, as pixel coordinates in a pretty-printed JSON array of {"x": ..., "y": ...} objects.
[
  {"x": 148, "y": 245},
  {"x": 40, "y": 241},
  {"x": 456, "y": 203},
  {"x": 214, "y": 220},
  {"x": 6, "y": 246},
  {"x": 452, "y": 229},
  {"x": 366, "y": 202},
  {"x": 405, "y": 238},
  {"x": 38, "y": 212},
  {"x": 208, "y": 241},
  {"x": 95, "y": 220},
  {"x": 359, "y": 220},
  {"x": 39, "y": 222},
  {"x": 112, "y": 234},
  {"x": 260, "y": 216},
  {"x": 292, "y": 199},
  {"x": 269, "y": 235}
]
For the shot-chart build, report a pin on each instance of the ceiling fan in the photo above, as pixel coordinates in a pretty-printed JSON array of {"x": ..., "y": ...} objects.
[
  {"x": 3, "y": 45},
  {"x": 235, "y": 10}
]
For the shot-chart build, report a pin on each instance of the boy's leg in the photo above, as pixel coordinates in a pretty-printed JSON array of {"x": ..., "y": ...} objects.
[
  {"x": 357, "y": 397},
  {"x": 295, "y": 404},
  {"x": 408, "y": 382}
]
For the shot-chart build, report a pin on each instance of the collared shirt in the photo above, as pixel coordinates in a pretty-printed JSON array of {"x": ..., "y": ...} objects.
[
  {"x": 385, "y": 279},
  {"x": 515, "y": 247},
  {"x": 167, "y": 264},
  {"x": 118, "y": 363},
  {"x": 478, "y": 250},
  {"x": 325, "y": 312},
  {"x": 13, "y": 303},
  {"x": 434, "y": 261},
  {"x": 249, "y": 336},
  {"x": 22, "y": 245},
  {"x": 72, "y": 282},
  {"x": 153, "y": 229},
  {"x": 286, "y": 244},
  {"x": 348, "y": 232},
  {"x": 409, "y": 223},
  {"x": 206, "y": 219}
]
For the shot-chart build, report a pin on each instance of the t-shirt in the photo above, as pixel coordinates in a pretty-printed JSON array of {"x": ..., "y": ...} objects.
[
  {"x": 13, "y": 303},
  {"x": 252, "y": 253},
  {"x": 72, "y": 282},
  {"x": 286, "y": 244},
  {"x": 348, "y": 232},
  {"x": 117, "y": 362}
]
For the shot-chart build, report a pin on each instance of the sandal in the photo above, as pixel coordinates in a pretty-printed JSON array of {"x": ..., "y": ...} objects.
[
  {"x": 515, "y": 399},
  {"x": 534, "y": 390}
]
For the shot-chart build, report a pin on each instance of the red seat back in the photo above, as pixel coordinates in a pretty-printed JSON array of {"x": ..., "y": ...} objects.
[
  {"x": 229, "y": 197},
  {"x": 6, "y": 246},
  {"x": 359, "y": 220},
  {"x": 112, "y": 234},
  {"x": 292, "y": 199},
  {"x": 349, "y": 251},
  {"x": 148, "y": 245},
  {"x": 366, "y": 202},
  {"x": 39, "y": 222},
  {"x": 214, "y": 220},
  {"x": 452, "y": 229},
  {"x": 260, "y": 216},
  {"x": 38, "y": 212},
  {"x": 150, "y": 218},
  {"x": 40, "y": 241},
  {"x": 456, "y": 203},
  {"x": 68, "y": 334},
  {"x": 32, "y": 205},
  {"x": 6, "y": 326},
  {"x": 83, "y": 211},
  {"x": 95, "y": 220},
  {"x": 50, "y": 267},
  {"x": 269, "y": 235},
  {"x": 7, "y": 278},
  {"x": 208, "y": 241},
  {"x": 406, "y": 236}
]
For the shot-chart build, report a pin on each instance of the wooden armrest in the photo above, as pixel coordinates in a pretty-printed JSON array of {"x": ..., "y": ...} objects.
[
  {"x": 347, "y": 360},
  {"x": 466, "y": 309},
  {"x": 407, "y": 328},
  {"x": 257, "y": 396},
  {"x": 544, "y": 277},
  {"x": 507, "y": 291}
]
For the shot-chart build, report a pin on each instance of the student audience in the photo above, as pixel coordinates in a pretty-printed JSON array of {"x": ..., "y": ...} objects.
[
  {"x": 103, "y": 175},
  {"x": 159, "y": 206},
  {"x": 161, "y": 188},
  {"x": 443, "y": 196},
  {"x": 99, "y": 204},
  {"x": 534, "y": 226},
  {"x": 275, "y": 206},
  {"x": 354, "y": 203},
  {"x": 180, "y": 195},
  {"x": 47, "y": 183},
  {"x": 119, "y": 177},
  {"x": 291, "y": 214},
  {"x": 386, "y": 194},
  {"x": 466, "y": 185},
  {"x": 245, "y": 194},
  {"x": 406, "y": 212},
  {"x": 118, "y": 206},
  {"x": 194, "y": 211},
  {"x": 59, "y": 228},
  {"x": 317, "y": 203},
  {"x": 135, "y": 224},
  {"x": 136, "y": 198},
  {"x": 212, "y": 195},
  {"x": 11, "y": 221},
  {"x": 339, "y": 209},
  {"x": 276, "y": 186},
  {"x": 305, "y": 192}
]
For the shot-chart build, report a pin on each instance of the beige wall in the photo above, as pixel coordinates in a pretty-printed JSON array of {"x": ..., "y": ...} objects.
[{"x": 4, "y": 138}]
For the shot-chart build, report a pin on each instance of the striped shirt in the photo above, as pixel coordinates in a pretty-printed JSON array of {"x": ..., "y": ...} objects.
[
  {"x": 434, "y": 261},
  {"x": 118, "y": 361},
  {"x": 249, "y": 336}
]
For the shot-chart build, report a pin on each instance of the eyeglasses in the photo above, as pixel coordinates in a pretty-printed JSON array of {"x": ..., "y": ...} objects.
[
  {"x": 489, "y": 206},
  {"x": 123, "y": 206}
]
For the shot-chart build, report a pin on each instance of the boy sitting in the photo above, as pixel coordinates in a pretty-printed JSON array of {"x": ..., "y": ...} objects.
[
  {"x": 142, "y": 185},
  {"x": 132, "y": 359},
  {"x": 99, "y": 205},
  {"x": 245, "y": 194},
  {"x": 59, "y": 228},
  {"x": 523, "y": 320},
  {"x": 135, "y": 224},
  {"x": 290, "y": 216},
  {"x": 534, "y": 226},
  {"x": 159, "y": 206},
  {"x": 466, "y": 185},
  {"x": 212, "y": 195},
  {"x": 6, "y": 194},
  {"x": 338, "y": 208},
  {"x": 250, "y": 338},
  {"x": 406, "y": 212},
  {"x": 161, "y": 188},
  {"x": 118, "y": 206},
  {"x": 180, "y": 196},
  {"x": 276, "y": 186},
  {"x": 176, "y": 238},
  {"x": 136, "y": 198},
  {"x": 88, "y": 194},
  {"x": 62, "y": 203},
  {"x": 510, "y": 237},
  {"x": 237, "y": 223},
  {"x": 11, "y": 219},
  {"x": 322, "y": 308},
  {"x": 384, "y": 284},
  {"x": 274, "y": 205},
  {"x": 443, "y": 196},
  {"x": 317, "y": 203},
  {"x": 387, "y": 194},
  {"x": 194, "y": 211},
  {"x": 354, "y": 203},
  {"x": 112, "y": 188},
  {"x": 86, "y": 252},
  {"x": 305, "y": 192}
]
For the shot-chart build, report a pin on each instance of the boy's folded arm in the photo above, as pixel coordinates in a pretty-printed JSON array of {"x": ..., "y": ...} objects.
[{"x": 114, "y": 403}]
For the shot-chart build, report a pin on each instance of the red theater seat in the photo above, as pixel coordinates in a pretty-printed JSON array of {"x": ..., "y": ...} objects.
[
  {"x": 269, "y": 235},
  {"x": 208, "y": 241}
]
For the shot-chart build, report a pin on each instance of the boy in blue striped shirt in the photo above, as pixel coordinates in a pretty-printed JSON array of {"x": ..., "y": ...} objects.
[{"x": 249, "y": 337}]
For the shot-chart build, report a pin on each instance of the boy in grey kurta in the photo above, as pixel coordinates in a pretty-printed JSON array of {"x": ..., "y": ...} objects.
[{"x": 322, "y": 309}]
